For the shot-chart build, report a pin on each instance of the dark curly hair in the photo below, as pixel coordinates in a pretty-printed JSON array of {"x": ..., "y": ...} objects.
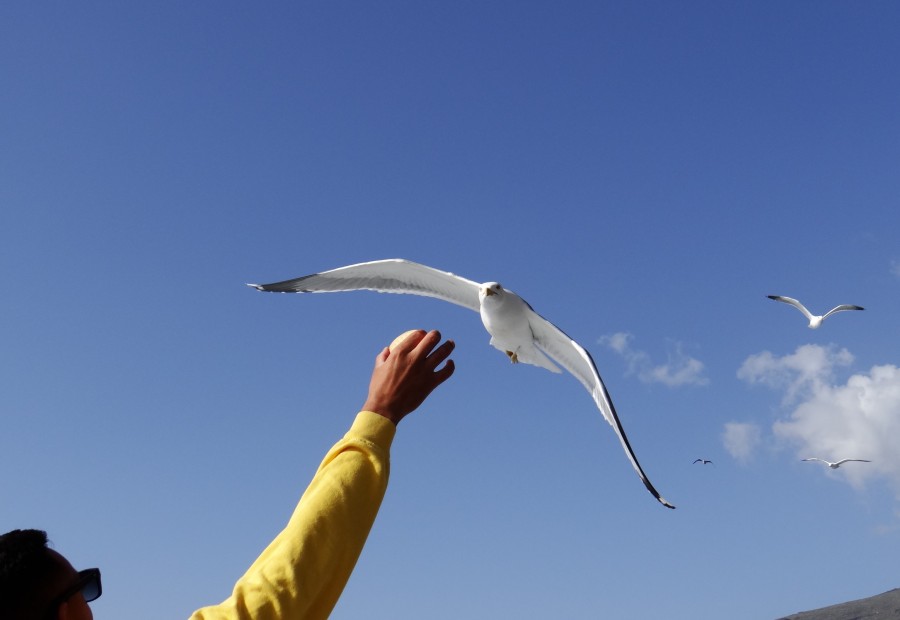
[{"x": 28, "y": 569}]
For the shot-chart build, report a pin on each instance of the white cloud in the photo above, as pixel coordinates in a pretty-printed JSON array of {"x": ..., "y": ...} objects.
[
  {"x": 618, "y": 342},
  {"x": 741, "y": 440},
  {"x": 831, "y": 420},
  {"x": 679, "y": 369},
  {"x": 809, "y": 368}
]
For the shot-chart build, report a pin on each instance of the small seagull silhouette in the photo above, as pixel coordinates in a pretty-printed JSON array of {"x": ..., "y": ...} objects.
[{"x": 704, "y": 461}]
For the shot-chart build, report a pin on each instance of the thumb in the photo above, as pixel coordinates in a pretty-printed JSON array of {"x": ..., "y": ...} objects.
[{"x": 382, "y": 357}]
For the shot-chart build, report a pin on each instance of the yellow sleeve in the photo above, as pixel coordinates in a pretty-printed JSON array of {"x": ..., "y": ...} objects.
[{"x": 303, "y": 571}]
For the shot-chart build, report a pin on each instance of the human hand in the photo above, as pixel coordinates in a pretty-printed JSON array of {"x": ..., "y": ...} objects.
[{"x": 405, "y": 376}]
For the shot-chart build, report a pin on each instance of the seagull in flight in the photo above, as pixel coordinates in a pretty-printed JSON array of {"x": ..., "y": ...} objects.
[
  {"x": 838, "y": 464},
  {"x": 703, "y": 461},
  {"x": 515, "y": 328},
  {"x": 814, "y": 321}
]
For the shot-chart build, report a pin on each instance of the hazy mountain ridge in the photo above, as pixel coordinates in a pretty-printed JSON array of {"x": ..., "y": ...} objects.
[{"x": 880, "y": 607}]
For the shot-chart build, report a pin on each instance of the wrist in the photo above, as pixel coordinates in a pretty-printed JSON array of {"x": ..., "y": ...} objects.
[
  {"x": 393, "y": 418},
  {"x": 383, "y": 411}
]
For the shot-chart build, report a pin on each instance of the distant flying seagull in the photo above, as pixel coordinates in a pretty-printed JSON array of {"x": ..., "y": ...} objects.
[
  {"x": 838, "y": 464},
  {"x": 814, "y": 321},
  {"x": 704, "y": 461},
  {"x": 515, "y": 328}
]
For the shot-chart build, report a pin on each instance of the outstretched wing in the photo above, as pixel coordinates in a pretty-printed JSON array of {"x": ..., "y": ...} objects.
[
  {"x": 841, "y": 308},
  {"x": 848, "y": 460},
  {"x": 815, "y": 459},
  {"x": 793, "y": 302},
  {"x": 574, "y": 358},
  {"x": 385, "y": 276}
]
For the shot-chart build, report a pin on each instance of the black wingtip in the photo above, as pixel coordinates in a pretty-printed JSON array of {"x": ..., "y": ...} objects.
[{"x": 656, "y": 494}]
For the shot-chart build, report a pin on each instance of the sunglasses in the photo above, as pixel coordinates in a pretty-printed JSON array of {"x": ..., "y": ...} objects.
[{"x": 88, "y": 583}]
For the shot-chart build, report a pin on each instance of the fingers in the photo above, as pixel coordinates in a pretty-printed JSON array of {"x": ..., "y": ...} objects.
[
  {"x": 426, "y": 343},
  {"x": 419, "y": 349},
  {"x": 441, "y": 353},
  {"x": 444, "y": 373},
  {"x": 411, "y": 342},
  {"x": 419, "y": 345},
  {"x": 381, "y": 357},
  {"x": 437, "y": 357}
]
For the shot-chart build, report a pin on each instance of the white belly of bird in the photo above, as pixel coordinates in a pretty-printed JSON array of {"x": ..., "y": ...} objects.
[{"x": 506, "y": 322}]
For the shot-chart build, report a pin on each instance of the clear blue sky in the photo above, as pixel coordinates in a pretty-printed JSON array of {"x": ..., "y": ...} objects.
[{"x": 644, "y": 174}]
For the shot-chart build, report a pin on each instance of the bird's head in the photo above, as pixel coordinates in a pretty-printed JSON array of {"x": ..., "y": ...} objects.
[{"x": 489, "y": 289}]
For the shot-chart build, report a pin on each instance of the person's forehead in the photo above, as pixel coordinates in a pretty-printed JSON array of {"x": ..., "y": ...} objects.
[{"x": 64, "y": 565}]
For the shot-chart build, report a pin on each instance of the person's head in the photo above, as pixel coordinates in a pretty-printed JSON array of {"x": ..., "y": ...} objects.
[{"x": 37, "y": 583}]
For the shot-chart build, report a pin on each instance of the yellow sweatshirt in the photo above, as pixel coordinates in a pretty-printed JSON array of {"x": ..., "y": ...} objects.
[{"x": 301, "y": 574}]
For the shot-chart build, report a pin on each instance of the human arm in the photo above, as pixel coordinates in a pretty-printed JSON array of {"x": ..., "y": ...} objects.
[{"x": 303, "y": 571}]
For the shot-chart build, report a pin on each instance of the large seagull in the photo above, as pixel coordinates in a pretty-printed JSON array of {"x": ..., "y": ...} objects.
[{"x": 515, "y": 328}]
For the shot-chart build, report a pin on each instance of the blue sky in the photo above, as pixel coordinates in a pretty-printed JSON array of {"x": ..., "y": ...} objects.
[{"x": 644, "y": 174}]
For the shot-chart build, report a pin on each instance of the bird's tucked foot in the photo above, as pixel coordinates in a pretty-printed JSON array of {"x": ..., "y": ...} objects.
[{"x": 513, "y": 357}]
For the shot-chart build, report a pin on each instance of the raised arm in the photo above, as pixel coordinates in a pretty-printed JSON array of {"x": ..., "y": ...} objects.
[{"x": 303, "y": 571}]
